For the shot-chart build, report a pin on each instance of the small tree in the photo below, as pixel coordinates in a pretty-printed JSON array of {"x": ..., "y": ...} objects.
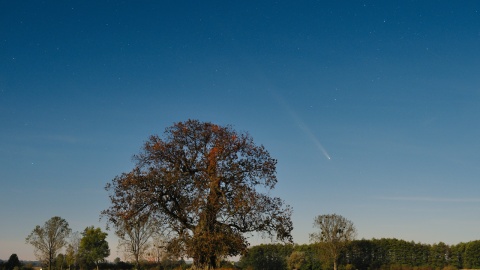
[
  {"x": 72, "y": 251},
  {"x": 13, "y": 262},
  {"x": 335, "y": 233},
  {"x": 70, "y": 256},
  {"x": 59, "y": 261},
  {"x": 157, "y": 251},
  {"x": 49, "y": 239},
  {"x": 94, "y": 246},
  {"x": 134, "y": 233}
]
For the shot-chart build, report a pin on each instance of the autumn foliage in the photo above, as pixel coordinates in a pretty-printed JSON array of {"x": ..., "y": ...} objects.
[{"x": 208, "y": 184}]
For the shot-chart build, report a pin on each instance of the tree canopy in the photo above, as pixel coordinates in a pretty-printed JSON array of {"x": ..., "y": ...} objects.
[{"x": 210, "y": 185}]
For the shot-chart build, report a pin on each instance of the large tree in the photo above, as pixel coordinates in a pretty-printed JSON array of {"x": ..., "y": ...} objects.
[
  {"x": 210, "y": 184},
  {"x": 335, "y": 233},
  {"x": 49, "y": 239},
  {"x": 94, "y": 246}
]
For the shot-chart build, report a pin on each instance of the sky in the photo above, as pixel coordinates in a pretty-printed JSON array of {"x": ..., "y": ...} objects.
[{"x": 371, "y": 108}]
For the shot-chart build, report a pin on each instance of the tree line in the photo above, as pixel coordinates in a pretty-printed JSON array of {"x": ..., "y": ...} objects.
[
  {"x": 374, "y": 254},
  {"x": 59, "y": 263},
  {"x": 89, "y": 248}
]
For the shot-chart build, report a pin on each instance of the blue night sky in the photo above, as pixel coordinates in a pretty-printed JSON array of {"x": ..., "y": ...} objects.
[{"x": 371, "y": 107}]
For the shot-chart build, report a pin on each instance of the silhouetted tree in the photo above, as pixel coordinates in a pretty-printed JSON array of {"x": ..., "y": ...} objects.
[{"x": 13, "y": 262}]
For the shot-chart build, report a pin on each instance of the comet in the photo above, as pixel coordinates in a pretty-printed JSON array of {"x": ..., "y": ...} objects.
[{"x": 301, "y": 124}]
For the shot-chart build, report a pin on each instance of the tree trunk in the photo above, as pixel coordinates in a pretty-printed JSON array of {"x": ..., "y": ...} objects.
[
  {"x": 207, "y": 259},
  {"x": 50, "y": 260},
  {"x": 213, "y": 261},
  {"x": 205, "y": 263}
]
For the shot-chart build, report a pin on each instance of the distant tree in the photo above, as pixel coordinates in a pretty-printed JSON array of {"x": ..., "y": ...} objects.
[
  {"x": 364, "y": 254},
  {"x": 94, "y": 246},
  {"x": 472, "y": 255},
  {"x": 49, "y": 239},
  {"x": 157, "y": 251},
  {"x": 458, "y": 255},
  {"x": 296, "y": 260},
  {"x": 335, "y": 233},
  {"x": 312, "y": 260},
  {"x": 60, "y": 261},
  {"x": 267, "y": 257},
  {"x": 210, "y": 184},
  {"x": 134, "y": 233},
  {"x": 13, "y": 262},
  {"x": 439, "y": 255},
  {"x": 69, "y": 256},
  {"x": 72, "y": 251}
]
